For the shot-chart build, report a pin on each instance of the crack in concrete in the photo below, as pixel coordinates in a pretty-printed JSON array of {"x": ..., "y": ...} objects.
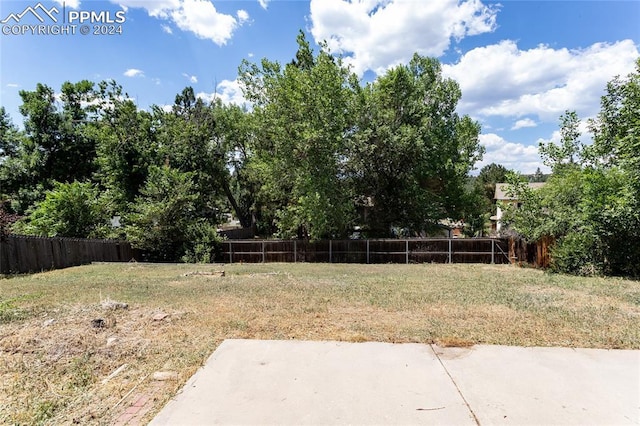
[{"x": 475, "y": 418}]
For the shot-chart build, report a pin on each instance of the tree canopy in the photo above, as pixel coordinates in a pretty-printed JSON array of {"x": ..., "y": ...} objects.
[
  {"x": 591, "y": 203},
  {"x": 317, "y": 155}
]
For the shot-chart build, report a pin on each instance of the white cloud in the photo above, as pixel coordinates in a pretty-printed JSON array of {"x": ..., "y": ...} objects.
[
  {"x": 526, "y": 122},
  {"x": 264, "y": 3},
  {"x": 512, "y": 155},
  {"x": 192, "y": 78},
  {"x": 167, "y": 29},
  {"x": 250, "y": 54},
  {"x": 229, "y": 92},
  {"x": 243, "y": 16},
  {"x": 502, "y": 80},
  {"x": 197, "y": 16},
  {"x": 133, "y": 72},
  {"x": 378, "y": 34},
  {"x": 13, "y": 85},
  {"x": 73, "y": 4},
  {"x": 155, "y": 8}
]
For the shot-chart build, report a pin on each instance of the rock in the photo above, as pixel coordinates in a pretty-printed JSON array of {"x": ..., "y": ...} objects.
[
  {"x": 113, "y": 305},
  {"x": 115, "y": 373},
  {"x": 111, "y": 341},
  {"x": 163, "y": 376},
  {"x": 48, "y": 322},
  {"x": 160, "y": 316}
]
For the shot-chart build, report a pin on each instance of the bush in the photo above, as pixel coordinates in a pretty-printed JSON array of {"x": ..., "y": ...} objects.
[
  {"x": 69, "y": 210},
  {"x": 203, "y": 243},
  {"x": 577, "y": 254}
]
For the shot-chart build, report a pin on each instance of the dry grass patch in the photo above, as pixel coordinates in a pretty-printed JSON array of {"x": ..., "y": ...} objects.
[{"x": 56, "y": 367}]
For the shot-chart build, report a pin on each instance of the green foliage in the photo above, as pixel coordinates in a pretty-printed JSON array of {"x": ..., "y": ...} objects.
[
  {"x": 10, "y": 136},
  {"x": 163, "y": 222},
  {"x": 590, "y": 205},
  {"x": 481, "y": 196},
  {"x": 68, "y": 210},
  {"x": 574, "y": 254},
  {"x": 126, "y": 146},
  {"x": 411, "y": 152},
  {"x": 302, "y": 115},
  {"x": 570, "y": 150},
  {"x": 488, "y": 177},
  {"x": 203, "y": 243}
]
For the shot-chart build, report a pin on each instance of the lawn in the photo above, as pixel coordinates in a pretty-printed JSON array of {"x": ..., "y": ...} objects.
[{"x": 62, "y": 335}]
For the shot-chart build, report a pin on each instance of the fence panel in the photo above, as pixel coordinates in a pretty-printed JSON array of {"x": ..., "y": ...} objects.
[
  {"x": 438, "y": 250},
  {"x": 23, "y": 254}
]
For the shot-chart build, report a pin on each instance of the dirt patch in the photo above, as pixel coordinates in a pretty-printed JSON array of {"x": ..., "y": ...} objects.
[{"x": 59, "y": 368}]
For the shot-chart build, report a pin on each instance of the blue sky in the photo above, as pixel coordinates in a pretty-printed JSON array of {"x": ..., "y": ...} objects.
[{"x": 520, "y": 64}]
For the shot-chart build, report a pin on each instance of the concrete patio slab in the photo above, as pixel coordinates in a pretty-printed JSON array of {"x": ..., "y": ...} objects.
[
  {"x": 329, "y": 383},
  {"x": 534, "y": 386}
]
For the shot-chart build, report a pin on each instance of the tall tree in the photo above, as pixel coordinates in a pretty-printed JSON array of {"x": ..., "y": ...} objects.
[
  {"x": 233, "y": 152},
  {"x": 411, "y": 151},
  {"x": 488, "y": 177},
  {"x": 569, "y": 151},
  {"x": 68, "y": 152},
  {"x": 303, "y": 114},
  {"x": 127, "y": 145},
  {"x": 10, "y": 136},
  {"x": 55, "y": 144}
]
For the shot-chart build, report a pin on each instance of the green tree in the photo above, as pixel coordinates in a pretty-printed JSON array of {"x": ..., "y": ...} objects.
[
  {"x": 186, "y": 141},
  {"x": 569, "y": 151},
  {"x": 488, "y": 177},
  {"x": 68, "y": 153},
  {"x": 126, "y": 145},
  {"x": 411, "y": 152},
  {"x": 68, "y": 210},
  {"x": 538, "y": 176},
  {"x": 590, "y": 204},
  {"x": 10, "y": 136},
  {"x": 233, "y": 153},
  {"x": 55, "y": 145},
  {"x": 303, "y": 115},
  {"x": 20, "y": 162},
  {"x": 164, "y": 223}
]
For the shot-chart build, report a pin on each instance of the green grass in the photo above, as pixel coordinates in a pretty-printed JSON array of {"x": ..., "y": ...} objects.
[{"x": 45, "y": 321}]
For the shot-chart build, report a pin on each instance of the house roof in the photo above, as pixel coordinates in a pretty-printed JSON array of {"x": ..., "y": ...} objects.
[{"x": 503, "y": 188}]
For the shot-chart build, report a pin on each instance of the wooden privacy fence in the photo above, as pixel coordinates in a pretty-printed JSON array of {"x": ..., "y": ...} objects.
[
  {"x": 532, "y": 253},
  {"x": 438, "y": 250},
  {"x": 22, "y": 254}
]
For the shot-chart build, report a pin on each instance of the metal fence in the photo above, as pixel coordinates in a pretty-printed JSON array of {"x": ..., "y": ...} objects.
[
  {"x": 23, "y": 254},
  {"x": 438, "y": 250}
]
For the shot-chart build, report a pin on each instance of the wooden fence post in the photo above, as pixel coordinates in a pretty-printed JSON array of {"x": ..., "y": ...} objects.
[
  {"x": 450, "y": 254},
  {"x": 230, "y": 252},
  {"x": 330, "y": 253},
  {"x": 406, "y": 251},
  {"x": 367, "y": 252},
  {"x": 295, "y": 251},
  {"x": 263, "y": 252},
  {"x": 493, "y": 249}
]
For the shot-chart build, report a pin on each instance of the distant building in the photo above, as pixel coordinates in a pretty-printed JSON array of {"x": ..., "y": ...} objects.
[
  {"x": 502, "y": 197},
  {"x": 450, "y": 228}
]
